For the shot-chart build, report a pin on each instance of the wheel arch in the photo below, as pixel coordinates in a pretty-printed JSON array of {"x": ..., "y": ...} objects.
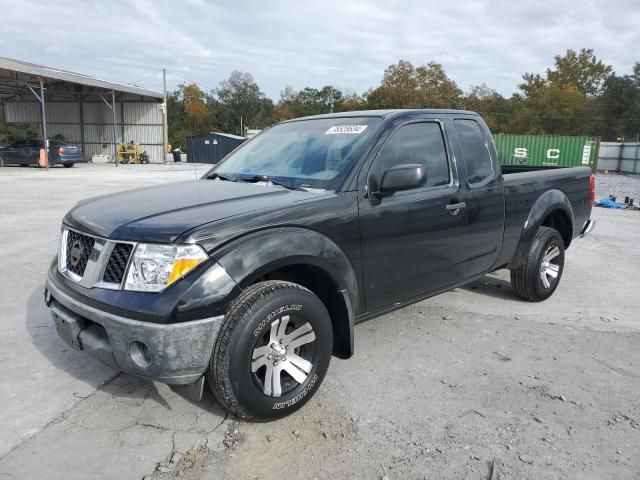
[
  {"x": 552, "y": 209},
  {"x": 305, "y": 257}
]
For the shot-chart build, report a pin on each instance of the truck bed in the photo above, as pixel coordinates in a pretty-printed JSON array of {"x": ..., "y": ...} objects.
[
  {"x": 508, "y": 169},
  {"x": 523, "y": 185}
]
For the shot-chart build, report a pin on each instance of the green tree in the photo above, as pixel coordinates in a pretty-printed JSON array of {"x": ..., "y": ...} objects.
[
  {"x": 351, "y": 103},
  {"x": 435, "y": 88},
  {"x": 552, "y": 109},
  {"x": 563, "y": 101},
  {"x": 195, "y": 109},
  {"x": 176, "y": 119},
  {"x": 620, "y": 106},
  {"x": 238, "y": 101},
  {"x": 580, "y": 69},
  {"x": 308, "y": 101},
  {"x": 405, "y": 86},
  {"x": 187, "y": 114},
  {"x": 494, "y": 108}
]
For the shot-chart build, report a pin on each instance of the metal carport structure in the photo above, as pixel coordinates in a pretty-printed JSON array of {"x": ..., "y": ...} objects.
[{"x": 95, "y": 114}]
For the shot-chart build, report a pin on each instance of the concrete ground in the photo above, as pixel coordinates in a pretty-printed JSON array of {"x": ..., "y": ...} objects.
[{"x": 469, "y": 384}]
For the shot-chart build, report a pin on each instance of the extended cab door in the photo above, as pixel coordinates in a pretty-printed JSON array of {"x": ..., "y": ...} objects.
[
  {"x": 411, "y": 239},
  {"x": 483, "y": 184}
]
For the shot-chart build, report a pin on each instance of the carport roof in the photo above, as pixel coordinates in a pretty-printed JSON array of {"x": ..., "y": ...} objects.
[{"x": 15, "y": 75}]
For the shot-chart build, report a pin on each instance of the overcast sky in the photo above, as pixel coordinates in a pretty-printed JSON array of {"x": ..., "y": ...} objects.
[{"x": 302, "y": 43}]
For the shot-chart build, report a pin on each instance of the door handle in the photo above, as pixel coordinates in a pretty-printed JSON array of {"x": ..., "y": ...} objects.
[{"x": 454, "y": 208}]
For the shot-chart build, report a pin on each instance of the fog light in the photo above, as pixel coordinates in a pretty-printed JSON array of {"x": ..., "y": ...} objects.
[{"x": 139, "y": 354}]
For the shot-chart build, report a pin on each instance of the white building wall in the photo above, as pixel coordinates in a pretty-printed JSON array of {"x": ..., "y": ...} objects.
[{"x": 142, "y": 124}]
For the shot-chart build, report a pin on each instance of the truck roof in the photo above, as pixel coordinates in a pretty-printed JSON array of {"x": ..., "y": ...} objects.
[{"x": 388, "y": 113}]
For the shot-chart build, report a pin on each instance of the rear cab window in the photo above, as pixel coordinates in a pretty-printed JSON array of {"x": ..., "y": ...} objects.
[{"x": 475, "y": 151}]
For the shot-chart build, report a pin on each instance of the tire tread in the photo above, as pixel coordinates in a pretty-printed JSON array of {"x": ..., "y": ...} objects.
[
  {"x": 218, "y": 374},
  {"x": 523, "y": 277}
]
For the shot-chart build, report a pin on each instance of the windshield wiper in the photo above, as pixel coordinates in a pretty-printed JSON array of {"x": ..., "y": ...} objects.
[
  {"x": 220, "y": 176},
  {"x": 265, "y": 178}
]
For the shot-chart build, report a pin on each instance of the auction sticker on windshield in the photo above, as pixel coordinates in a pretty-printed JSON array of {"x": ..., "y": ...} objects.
[{"x": 338, "y": 129}]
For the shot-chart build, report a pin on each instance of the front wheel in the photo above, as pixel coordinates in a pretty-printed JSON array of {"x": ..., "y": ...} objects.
[
  {"x": 272, "y": 351},
  {"x": 540, "y": 275}
]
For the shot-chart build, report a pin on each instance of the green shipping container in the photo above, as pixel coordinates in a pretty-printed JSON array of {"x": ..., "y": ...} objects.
[{"x": 547, "y": 150}]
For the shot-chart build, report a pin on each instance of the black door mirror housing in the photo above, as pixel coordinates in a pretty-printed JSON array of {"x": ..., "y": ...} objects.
[{"x": 403, "y": 177}]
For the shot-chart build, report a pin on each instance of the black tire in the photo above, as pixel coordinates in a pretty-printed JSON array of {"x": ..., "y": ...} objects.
[
  {"x": 527, "y": 280},
  {"x": 250, "y": 319},
  {"x": 68, "y": 165}
]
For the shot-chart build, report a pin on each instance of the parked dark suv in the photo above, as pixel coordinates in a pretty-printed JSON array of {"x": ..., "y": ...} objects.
[{"x": 27, "y": 152}]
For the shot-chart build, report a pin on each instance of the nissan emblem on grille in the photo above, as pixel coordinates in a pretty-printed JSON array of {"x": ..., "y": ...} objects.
[
  {"x": 75, "y": 255},
  {"x": 78, "y": 250}
]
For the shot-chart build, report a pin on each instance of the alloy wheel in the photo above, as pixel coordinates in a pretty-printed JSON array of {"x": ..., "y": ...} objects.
[
  {"x": 281, "y": 358},
  {"x": 549, "y": 267}
]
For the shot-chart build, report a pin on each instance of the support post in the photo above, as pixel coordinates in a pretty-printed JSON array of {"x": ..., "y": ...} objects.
[
  {"x": 112, "y": 107},
  {"x": 165, "y": 127},
  {"x": 44, "y": 124},
  {"x": 82, "y": 142},
  {"x": 113, "y": 112},
  {"x": 4, "y": 118},
  {"x": 122, "y": 124},
  {"x": 636, "y": 157}
]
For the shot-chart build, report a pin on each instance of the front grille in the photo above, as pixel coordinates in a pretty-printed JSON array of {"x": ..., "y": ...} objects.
[
  {"x": 78, "y": 249},
  {"x": 117, "y": 264}
]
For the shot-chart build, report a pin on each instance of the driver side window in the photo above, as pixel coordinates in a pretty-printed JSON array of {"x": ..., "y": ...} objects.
[{"x": 417, "y": 143}]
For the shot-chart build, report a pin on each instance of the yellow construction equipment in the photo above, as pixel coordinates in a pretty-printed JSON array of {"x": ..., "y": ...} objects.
[{"x": 131, "y": 153}]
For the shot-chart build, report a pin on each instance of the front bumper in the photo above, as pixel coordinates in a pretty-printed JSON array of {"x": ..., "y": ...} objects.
[{"x": 176, "y": 354}]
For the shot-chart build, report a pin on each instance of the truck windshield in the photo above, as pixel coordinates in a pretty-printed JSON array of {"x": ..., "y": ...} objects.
[{"x": 307, "y": 153}]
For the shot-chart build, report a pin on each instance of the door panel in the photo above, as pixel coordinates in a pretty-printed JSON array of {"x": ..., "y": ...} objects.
[
  {"x": 410, "y": 240},
  {"x": 411, "y": 245}
]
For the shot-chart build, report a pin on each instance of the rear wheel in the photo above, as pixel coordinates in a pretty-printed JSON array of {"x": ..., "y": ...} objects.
[
  {"x": 272, "y": 351},
  {"x": 68, "y": 165},
  {"x": 540, "y": 275}
]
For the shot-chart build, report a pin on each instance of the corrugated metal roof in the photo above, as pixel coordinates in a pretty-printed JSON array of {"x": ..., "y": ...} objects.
[
  {"x": 228, "y": 135},
  {"x": 32, "y": 69}
]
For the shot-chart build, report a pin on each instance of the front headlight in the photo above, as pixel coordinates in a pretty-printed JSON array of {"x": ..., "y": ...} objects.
[{"x": 155, "y": 267}]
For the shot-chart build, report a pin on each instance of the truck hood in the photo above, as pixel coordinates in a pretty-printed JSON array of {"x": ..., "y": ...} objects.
[{"x": 161, "y": 213}]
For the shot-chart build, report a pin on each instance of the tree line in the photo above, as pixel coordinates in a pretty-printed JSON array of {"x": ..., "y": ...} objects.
[{"x": 579, "y": 95}]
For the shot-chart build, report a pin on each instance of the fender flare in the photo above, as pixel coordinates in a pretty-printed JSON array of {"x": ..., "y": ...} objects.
[
  {"x": 252, "y": 256},
  {"x": 547, "y": 203}
]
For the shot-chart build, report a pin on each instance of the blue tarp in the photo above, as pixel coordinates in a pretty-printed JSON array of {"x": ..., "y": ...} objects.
[{"x": 608, "y": 203}]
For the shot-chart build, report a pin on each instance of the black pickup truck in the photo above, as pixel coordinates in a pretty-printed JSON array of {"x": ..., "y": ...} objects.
[{"x": 250, "y": 278}]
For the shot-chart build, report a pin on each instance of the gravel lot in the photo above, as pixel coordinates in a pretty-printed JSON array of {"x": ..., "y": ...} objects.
[
  {"x": 469, "y": 384},
  {"x": 618, "y": 185}
]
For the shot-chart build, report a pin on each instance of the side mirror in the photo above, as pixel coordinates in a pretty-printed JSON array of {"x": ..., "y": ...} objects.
[{"x": 403, "y": 177}]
